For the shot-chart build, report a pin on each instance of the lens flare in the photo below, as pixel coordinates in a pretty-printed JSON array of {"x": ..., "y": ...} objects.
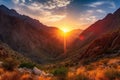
[{"x": 65, "y": 31}]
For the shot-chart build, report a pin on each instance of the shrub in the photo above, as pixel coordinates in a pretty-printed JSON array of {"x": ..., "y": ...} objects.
[
  {"x": 60, "y": 73},
  {"x": 10, "y": 76},
  {"x": 27, "y": 65},
  {"x": 10, "y": 64},
  {"x": 89, "y": 67},
  {"x": 112, "y": 74},
  {"x": 81, "y": 77},
  {"x": 105, "y": 61}
]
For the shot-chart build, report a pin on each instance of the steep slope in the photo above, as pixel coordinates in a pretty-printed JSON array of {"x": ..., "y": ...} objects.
[
  {"x": 109, "y": 23},
  {"x": 104, "y": 36},
  {"x": 29, "y": 36},
  {"x": 6, "y": 52},
  {"x": 106, "y": 45},
  {"x": 97, "y": 40}
]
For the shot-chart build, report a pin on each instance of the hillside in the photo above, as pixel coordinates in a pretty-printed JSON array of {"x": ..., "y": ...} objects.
[
  {"x": 28, "y": 36},
  {"x": 99, "y": 40},
  {"x": 107, "y": 24},
  {"x": 6, "y": 52},
  {"x": 93, "y": 54}
]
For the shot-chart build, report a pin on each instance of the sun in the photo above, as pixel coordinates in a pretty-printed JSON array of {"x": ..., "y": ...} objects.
[{"x": 65, "y": 30}]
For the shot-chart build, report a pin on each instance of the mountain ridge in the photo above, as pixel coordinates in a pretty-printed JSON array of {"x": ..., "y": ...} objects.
[
  {"x": 108, "y": 23},
  {"x": 21, "y": 33},
  {"x": 97, "y": 45}
]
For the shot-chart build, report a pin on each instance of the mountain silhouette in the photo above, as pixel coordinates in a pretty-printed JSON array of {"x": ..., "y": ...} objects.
[
  {"x": 107, "y": 24},
  {"x": 29, "y": 36},
  {"x": 44, "y": 44},
  {"x": 99, "y": 40}
]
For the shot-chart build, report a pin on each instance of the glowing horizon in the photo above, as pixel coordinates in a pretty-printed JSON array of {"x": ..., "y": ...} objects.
[{"x": 65, "y": 30}]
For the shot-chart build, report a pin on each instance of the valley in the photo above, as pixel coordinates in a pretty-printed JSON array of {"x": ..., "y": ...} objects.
[{"x": 31, "y": 50}]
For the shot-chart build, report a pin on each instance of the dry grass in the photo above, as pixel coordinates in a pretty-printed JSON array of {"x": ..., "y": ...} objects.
[
  {"x": 112, "y": 74},
  {"x": 16, "y": 75},
  {"x": 105, "y": 69}
]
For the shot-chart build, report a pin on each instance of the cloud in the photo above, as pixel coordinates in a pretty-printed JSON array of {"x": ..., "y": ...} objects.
[
  {"x": 57, "y": 3},
  {"x": 90, "y": 16},
  {"x": 113, "y": 6},
  {"x": 100, "y": 11},
  {"x": 100, "y": 3},
  {"x": 87, "y": 19},
  {"x": 50, "y": 4},
  {"x": 43, "y": 11},
  {"x": 23, "y": 1},
  {"x": 15, "y": 1},
  {"x": 95, "y": 4},
  {"x": 54, "y": 18},
  {"x": 90, "y": 11},
  {"x": 95, "y": 11}
]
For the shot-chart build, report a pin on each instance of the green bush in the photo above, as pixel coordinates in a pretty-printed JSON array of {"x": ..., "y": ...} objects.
[
  {"x": 112, "y": 74},
  {"x": 27, "y": 65},
  {"x": 10, "y": 64},
  {"x": 62, "y": 71}
]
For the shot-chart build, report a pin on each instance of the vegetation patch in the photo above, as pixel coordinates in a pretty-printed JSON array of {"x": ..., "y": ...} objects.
[
  {"x": 82, "y": 77},
  {"x": 112, "y": 74},
  {"x": 10, "y": 64},
  {"x": 27, "y": 65}
]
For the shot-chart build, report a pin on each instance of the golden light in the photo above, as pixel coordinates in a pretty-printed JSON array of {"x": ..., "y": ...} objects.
[
  {"x": 64, "y": 33},
  {"x": 65, "y": 30}
]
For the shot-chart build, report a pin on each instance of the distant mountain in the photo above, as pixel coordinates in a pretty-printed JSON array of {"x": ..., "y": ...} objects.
[
  {"x": 28, "y": 36},
  {"x": 107, "y": 24},
  {"x": 73, "y": 35}
]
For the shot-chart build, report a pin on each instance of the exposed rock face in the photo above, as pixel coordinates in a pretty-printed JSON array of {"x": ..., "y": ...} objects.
[
  {"x": 106, "y": 44},
  {"x": 105, "y": 36}
]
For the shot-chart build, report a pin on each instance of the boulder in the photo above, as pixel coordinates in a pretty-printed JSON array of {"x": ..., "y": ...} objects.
[{"x": 37, "y": 71}]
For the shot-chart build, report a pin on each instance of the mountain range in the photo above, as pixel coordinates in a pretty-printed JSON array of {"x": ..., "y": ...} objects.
[
  {"x": 30, "y": 37},
  {"x": 44, "y": 44}
]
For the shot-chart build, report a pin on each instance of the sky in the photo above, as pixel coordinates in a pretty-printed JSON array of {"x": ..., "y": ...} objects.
[{"x": 71, "y": 14}]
